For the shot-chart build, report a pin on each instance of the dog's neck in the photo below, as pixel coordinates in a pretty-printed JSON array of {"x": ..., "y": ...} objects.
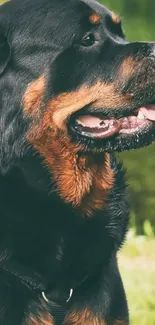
[
  {"x": 38, "y": 223},
  {"x": 81, "y": 181}
]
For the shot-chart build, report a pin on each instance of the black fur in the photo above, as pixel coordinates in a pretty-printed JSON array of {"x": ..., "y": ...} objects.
[{"x": 45, "y": 245}]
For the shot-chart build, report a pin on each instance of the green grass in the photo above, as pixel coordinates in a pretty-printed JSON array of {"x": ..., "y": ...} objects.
[{"x": 137, "y": 265}]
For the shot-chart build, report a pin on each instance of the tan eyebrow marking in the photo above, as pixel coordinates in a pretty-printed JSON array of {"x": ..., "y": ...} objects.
[
  {"x": 115, "y": 18},
  {"x": 94, "y": 19}
]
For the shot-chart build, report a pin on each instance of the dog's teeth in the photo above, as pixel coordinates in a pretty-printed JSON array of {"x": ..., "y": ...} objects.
[{"x": 140, "y": 116}]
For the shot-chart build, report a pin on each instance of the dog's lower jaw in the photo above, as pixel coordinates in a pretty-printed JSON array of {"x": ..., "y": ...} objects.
[{"x": 81, "y": 180}]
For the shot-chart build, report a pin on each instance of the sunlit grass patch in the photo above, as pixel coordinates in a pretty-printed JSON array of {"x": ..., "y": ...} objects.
[{"x": 137, "y": 265}]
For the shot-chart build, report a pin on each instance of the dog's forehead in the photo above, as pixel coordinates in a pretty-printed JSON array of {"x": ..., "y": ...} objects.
[
  {"x": 97, "y": 7},
  {"x": 55, "y": 9},
  {"x": 49, "y": 21}
]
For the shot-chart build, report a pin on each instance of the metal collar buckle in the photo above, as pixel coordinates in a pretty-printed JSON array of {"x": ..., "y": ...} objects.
[{"x": 47, "y": 300}]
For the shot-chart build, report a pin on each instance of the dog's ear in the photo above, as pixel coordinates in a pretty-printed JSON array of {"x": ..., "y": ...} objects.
[{"x": 5, "y": 52}]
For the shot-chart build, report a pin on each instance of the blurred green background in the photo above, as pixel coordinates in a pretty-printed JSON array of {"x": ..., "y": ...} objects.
[{"x": 137, "y": 258}]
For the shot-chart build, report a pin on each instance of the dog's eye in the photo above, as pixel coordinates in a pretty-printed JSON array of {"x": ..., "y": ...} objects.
[{"x": 88, "y": 40}]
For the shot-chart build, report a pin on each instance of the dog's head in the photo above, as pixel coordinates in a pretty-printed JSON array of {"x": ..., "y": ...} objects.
[{"x": 71, "y": 82}]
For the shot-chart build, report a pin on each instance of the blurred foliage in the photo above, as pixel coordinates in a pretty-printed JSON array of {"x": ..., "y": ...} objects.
[
  {"x": 137, "y": 16},
  {"x": 139, "y": 24},
  {"x": 140, "y": 165},
  {"x": 137, "y": 264}
]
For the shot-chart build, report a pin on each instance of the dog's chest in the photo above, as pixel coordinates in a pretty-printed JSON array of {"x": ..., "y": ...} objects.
[
  {"x": 50, "y": 238},
  {"x": 77, "y": 250}
]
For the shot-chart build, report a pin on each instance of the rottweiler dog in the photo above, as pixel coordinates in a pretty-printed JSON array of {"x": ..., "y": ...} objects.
[{"x": 73, "y": 91}]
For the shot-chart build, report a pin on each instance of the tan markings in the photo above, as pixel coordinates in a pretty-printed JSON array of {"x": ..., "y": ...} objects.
[
  {"x": 41, "y": 315},
  {"x": 33, "y": 96},
  {"x": 115, "y": 18},
  {"x": 99, "y": 95},
  {"x": 95, "y": 19},
  {"x": 84, "y": 317},
  {"x": 128, "y": 68},
  {"x": 39, "y": 319},
  {"x": 61, "y": 107},
  {"x": 61, "y": 159},
  {"x": 102, "y": 182},
  {"x": 82, "y": 181}
]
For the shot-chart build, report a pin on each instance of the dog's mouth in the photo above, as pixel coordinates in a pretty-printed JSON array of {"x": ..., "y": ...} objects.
[{"x": 98, "y": 127}]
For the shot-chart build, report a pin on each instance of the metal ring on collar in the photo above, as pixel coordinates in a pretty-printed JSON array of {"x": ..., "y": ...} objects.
[{"x": 47, "y": 300}]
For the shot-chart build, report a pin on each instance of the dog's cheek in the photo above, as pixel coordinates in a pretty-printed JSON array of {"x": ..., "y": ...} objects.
[
  {"x": 56, "y": 112},
  {"x": 36, "y": 110},
  {"x": 130, "y": 68},
  {"x": 99, "y": 95},
  {"x": 33, "y": 97}
]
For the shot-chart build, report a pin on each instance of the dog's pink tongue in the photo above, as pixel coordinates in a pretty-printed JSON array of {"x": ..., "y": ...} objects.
[
  {"x": 96, "y": 127},
  {"x": 89, "y": 121},
  {"x": 148, "y": 112}
]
